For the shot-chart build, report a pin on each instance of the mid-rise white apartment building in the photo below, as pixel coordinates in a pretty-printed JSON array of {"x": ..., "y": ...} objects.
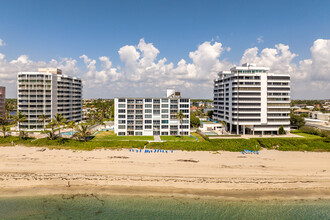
[
  {"x": 152, "y": 116},
  {"x": 48, "y": 92},
  {"x": 252, "y": 99}
]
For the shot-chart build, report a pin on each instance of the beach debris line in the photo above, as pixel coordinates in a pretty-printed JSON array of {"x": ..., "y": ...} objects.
[{"x": 189, "y": 160}]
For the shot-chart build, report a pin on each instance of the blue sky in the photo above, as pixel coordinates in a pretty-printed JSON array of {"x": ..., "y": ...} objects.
[{"x": 45, "y": 30}]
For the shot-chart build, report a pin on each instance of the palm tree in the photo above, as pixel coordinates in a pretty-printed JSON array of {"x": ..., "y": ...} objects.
[
  {"x": 180, "y": 116},
  {"x": 52, "y": 125},
  {"x": 82, "y": 132},
  {"x": 43, "y": 118},
  {"x": 19, "y": 118},
  {"x": 4, "y": 126},
  {"x": 60, "y": 121},
  {"x": 72, "y": 125}
]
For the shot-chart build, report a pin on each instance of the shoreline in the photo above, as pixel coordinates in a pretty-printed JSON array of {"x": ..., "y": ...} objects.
[{"x": 296, "y": 194}]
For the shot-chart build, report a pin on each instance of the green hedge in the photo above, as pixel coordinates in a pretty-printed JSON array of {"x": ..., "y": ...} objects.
[
  {"x": 89, "y": 145},
  {"x": 212, "y": 145},
  {"x": 296, "y": 144},
  {"x": 313, "y": 131},
  {"x": 9, "y": 139}
]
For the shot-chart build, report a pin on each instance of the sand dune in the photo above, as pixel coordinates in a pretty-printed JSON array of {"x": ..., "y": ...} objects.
[{"x": 271, "y": 174}]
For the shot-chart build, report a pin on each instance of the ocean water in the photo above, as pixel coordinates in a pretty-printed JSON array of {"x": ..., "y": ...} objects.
[{"x": 135, "y": 207}]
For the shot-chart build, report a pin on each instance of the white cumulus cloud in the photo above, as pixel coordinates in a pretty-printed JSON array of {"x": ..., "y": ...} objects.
[{"x": 144, "y": 72}]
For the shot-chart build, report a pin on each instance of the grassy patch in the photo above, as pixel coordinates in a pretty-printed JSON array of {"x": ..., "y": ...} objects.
[
  {"x": 183, "y": 138},
  {"x": 305, "y": 135},
  {"x": 111, "y": 136}
]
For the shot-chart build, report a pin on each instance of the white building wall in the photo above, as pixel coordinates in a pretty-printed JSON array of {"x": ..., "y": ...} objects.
[
  {"x": 38, "y": 93},
  {"x": 263, "y": 103},
  {"x": 261, "y": 98},
  {"x": 155, "y": 117}
]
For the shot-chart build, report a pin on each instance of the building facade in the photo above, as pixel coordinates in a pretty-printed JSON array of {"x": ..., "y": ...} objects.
[
  {"x": 251, "y": 100},
  {"x": 48, "y": 92},
  {"x": 152, "y": 116},
  {"x": 2, "y": 101}
]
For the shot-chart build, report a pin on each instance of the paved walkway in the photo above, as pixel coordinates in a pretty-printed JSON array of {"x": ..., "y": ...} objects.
[{"x": 157, "y": 138}]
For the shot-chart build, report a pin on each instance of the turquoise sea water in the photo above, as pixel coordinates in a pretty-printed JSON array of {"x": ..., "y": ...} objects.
[{"x": 134, "y": 207}]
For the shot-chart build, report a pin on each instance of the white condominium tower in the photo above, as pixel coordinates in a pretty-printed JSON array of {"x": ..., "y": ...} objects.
[
  {"x": 252, "y": 99},
  {"x": 152, "y": 116},
  {"x": 48, "y": 92}
]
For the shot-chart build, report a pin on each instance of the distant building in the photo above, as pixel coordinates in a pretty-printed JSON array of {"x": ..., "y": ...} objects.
[
  {"x": 48, "y": 92},
  {"x": 3, "y": 101},
  {"x": 152, "y": 116},
  {"x": 321, "y": 116},
  {"x": 251, "y": 100},
  {"x": 301, "y": 111}
]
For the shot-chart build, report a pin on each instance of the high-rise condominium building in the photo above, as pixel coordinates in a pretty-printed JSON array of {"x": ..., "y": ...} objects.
[
  {"x": 252, "y": 99},
  {"x": 2, "y": 101},
  {"x": 152, "y": 116},
  {"x": 48, "y": 92}
]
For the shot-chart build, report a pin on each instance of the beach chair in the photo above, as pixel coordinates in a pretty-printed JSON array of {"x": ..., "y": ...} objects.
[
  {"x": 257, "y": 152},
  {"x": 243, "y": 152},
  {"x": 171, "y": 151}
]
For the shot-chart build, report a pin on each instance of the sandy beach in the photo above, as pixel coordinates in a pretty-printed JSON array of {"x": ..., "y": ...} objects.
[{"x": 269, "y": 175}]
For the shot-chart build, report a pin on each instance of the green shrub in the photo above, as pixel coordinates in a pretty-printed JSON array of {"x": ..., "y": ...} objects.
[
  {"x": 281, "y": 130},
  {"x": 212, "y": 145},
  {"x": 295, "y": 144}
]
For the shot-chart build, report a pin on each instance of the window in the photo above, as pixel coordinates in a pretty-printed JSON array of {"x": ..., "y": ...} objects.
[
  {"x": 121, "y": 126},
  {"x": 121, "y": 133},
  {"x": 164, "y": 100},
  {"x": 164, "y": 126},
  {"x": 184, "y": 100},
  {"x": 157, "y": 101},
  {"x": 184, "y": 106},
  {"x": 148, "y": 105},
  {"x": 164, "y": 133},
  {"x": 164, "y": 105},
  {"x": 121, "y": 111},
  {"x": 164, "y": 116},
  {"x": 138, "y": 133},
  {"x": 121, "y": 100},
  {"x": 164, "y": 121},
  {"x": 184, "y": 126},
  {"x": 185, "y": 110},
  {"x": 121, "y": 116},
  {"x": 147, "y": 110},
  {"x": 121, "y": 121},
  {"x": 156, "y": 112},
  {"x": 147, "y": 116},
  {"x": 147, "y": 121},
  {"x": 164, "y": 110},
  {"x": 121, "y": 106},
  {"x": 148, "y": 127},
  {"x": 148, "y": 100}
]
